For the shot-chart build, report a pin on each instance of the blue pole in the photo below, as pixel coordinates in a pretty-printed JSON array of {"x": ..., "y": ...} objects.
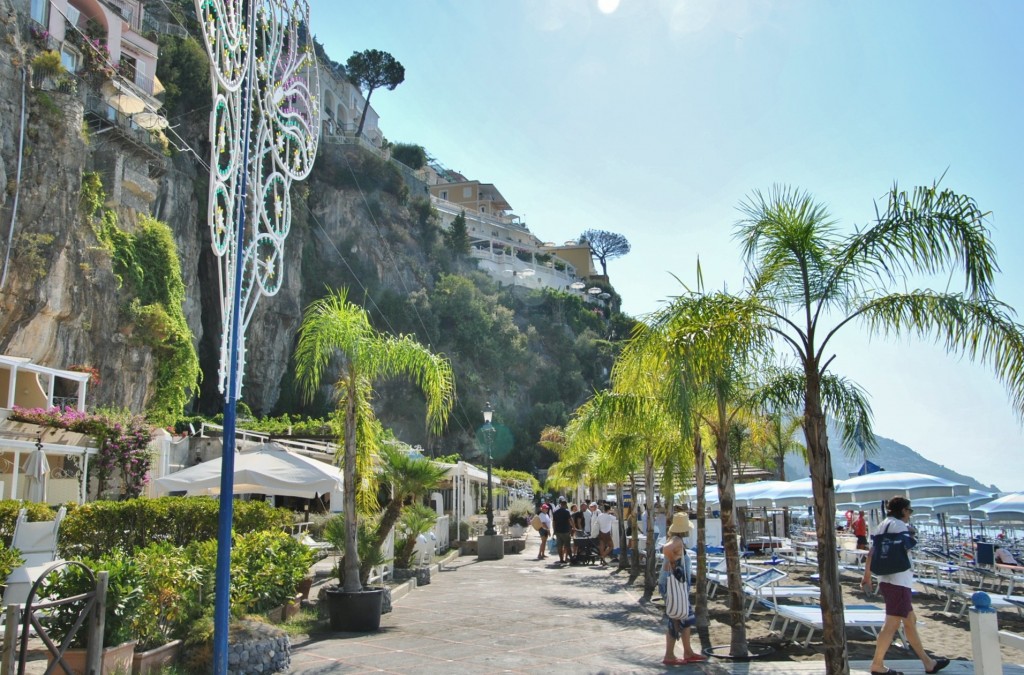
[{"x": 222, "y": 584}]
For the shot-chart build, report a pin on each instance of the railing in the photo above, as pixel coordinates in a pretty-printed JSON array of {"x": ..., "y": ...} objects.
[
  {"x": 101, "y": 110},
  {"x": 129, "y": 11},
  {"x": 455, "y": 209}
]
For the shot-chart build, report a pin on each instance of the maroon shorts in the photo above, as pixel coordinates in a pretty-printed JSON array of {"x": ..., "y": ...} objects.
[{"x": 897, "y": 599}]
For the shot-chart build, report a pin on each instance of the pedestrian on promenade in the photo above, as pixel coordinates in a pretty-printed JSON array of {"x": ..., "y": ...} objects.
[
  {"x": 605, "y": 522},
  {"x": 895, "y": 588},
  {"x": 545, "y": 531},
  {"x": 562, "y": 520},
  {"x": 677, "y": 559},
  {"x": 592, "y": 519},
  {"x": 860, "y": 528}
]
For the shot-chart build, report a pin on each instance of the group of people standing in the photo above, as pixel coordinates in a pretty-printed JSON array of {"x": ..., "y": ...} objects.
[{"x": 565, "y": 521}]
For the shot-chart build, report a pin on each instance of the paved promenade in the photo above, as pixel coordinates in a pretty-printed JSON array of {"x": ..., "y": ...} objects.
[{"x": 522, "y": 615}]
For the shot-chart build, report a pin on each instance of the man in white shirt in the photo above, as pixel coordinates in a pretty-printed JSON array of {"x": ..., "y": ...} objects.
[
  {"x": 605, "y": 522},
  {"x": 1004, "y": 557}
]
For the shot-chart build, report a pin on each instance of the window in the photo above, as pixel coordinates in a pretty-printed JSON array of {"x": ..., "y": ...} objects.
[
  {"x": 72, "y": 15},
  {"x": 69, "y": 58},
  {"x": 41, "y": 12},
  {"x": 467, "y": 192},
  {"x": 444, "y": 195},
  {"x": 483, "y": 209}
]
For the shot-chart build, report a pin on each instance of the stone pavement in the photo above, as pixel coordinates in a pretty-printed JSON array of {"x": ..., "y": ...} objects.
[{"x": 522, "y": 615}]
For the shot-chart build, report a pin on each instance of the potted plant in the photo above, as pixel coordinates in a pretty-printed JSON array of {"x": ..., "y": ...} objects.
[
  {"x": 416, "y": 519},
  {"x": 356, "y": 612},
  {"x": 123, "y": 602},
  {"x": 519, "y": 513},
  {"x": 336, "y": 330}
]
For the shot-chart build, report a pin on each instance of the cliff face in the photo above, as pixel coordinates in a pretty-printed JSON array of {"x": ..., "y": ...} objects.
[{"x": 62, "y": 303}]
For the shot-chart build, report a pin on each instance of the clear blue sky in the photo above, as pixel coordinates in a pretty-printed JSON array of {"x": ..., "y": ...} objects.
[{"x": 654, "y": 118}]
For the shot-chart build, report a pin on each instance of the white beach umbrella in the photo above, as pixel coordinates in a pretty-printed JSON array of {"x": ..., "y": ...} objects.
[
  {"x": 954, "y": 506},
  {"x": 883, "y": 485},
  {"x": 1007, "y": 509},
  {"x": 786, "y": 493}
]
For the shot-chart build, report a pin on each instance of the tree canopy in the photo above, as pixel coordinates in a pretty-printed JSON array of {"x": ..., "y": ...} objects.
[
  {"x": 605, "y": 246},
  {"x": 370, "y": 70}
]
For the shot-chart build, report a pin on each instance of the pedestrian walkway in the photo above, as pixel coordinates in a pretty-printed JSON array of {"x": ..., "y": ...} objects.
[{"x": 521, "y": 615}]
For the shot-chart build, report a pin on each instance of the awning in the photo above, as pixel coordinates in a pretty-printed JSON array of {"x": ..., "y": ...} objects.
[{"x": 121, "y": 99}]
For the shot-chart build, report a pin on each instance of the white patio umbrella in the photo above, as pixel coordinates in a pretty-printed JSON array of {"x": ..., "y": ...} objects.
[
  {"x": 954, "y": 506},
  {"x": 36, "y": 468},
  {"x": 882, "y": 485},
  {"x": 1007, "y": 509},
  {"x": 786, "y": 493}
]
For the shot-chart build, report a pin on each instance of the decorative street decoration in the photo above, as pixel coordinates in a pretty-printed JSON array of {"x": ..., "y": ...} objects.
[{"x": 264, "y": 130}]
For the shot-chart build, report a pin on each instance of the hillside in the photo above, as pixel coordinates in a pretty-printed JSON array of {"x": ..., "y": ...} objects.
[{"x": 890, "y": 455}]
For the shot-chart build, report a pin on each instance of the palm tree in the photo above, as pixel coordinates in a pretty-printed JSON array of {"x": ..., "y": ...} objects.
[
  {"x": 333, "y": 327},
  {"x": 779, "y": 440},
  {"x": 807, "y": 281},
  {"x": 409, "y": 477}
]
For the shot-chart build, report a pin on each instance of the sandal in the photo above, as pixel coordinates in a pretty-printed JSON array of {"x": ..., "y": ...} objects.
[
  {"x": 887, "y": 671},
  {"x": 939, "y": 665},
  {"x": 696, "y": 658},
  {"x": 674, "y": 662}
]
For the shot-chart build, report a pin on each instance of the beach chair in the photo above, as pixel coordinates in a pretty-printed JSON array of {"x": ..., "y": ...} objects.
[
  {"x": 867, "y": 618},
  {"x": 718, "y": 575},
  {"x": 764, "y": 587},
  {"x": 37, "y": 544}
]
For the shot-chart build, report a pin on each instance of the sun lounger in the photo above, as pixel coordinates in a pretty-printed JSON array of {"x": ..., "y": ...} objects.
[
  {"x": 765, "y": 587},
  {"x": 37, "y": 544},
  {"x": 867, "y": 618},
  {"x": 718, "y": 576}
]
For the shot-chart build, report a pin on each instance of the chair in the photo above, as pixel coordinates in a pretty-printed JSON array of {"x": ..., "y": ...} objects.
[
  {"x": 764, "y": 584},
  {"x": 37, "y": 543},
  {"x": 868, "y": 618}
]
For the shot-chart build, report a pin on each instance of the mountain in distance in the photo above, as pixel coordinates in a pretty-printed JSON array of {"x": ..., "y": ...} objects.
[{"x": 891, "y": 455}]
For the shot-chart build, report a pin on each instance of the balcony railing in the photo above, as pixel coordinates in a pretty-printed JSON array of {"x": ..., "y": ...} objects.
[
  {"x": 452, "y": 208},
  {"x": 131, "y": 12}
]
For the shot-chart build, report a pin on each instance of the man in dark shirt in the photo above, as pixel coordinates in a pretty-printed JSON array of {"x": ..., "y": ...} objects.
[{"x": 561, "y": 521}]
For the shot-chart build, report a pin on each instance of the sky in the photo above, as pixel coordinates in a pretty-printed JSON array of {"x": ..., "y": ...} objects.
[{"x": 655, "y": 118}]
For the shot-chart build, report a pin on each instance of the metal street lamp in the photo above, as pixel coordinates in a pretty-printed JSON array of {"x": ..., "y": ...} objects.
[{"x": 489, "y": 432}]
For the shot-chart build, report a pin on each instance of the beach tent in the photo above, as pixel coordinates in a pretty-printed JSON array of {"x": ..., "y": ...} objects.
[
  {"x": 268, "y": 470},
  {"x": 882, "y": 485},
  {"x": 868, "y": 467}
]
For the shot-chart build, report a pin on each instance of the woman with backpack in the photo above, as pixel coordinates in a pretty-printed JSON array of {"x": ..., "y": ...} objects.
[{"x": 889, "y": 559}]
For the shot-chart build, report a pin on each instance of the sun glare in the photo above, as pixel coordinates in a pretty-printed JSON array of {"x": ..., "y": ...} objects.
[{"x": 607, "y": 6}]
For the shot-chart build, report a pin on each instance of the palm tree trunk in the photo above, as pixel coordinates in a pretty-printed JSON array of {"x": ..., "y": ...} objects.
[
  {"x": 650, "y": 576},
  {"x": 832, "y": 619},
  {"x": 351, "y": 561},
  {"x": 726, "y": 498},
  {"x": 634, "y": 538},
  {"x": 701, "y": 610},
  {"x": 620, "y": 517}
]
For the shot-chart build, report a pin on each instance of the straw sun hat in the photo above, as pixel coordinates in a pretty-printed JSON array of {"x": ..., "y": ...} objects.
[{"x": 680, "y": 524}]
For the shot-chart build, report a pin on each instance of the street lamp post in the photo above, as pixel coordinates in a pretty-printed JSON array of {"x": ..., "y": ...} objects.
[{"x": 489, "y": 430}]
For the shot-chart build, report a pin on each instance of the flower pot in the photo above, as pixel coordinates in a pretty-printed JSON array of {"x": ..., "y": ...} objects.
[
  {"x": 353, "y": 612},
  {"x": 292, "y": 607},
  {"x": 117, "y": 659},
  {"x": 156, "y": 660},
  {"x": 302, "y": 588}
]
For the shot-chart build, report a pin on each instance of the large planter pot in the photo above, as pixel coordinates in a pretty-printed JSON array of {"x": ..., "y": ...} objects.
[
  {"x": 155, "y": 660},
  {"x": 117, "y": 659},
  {"x": 353, "y": 612}
]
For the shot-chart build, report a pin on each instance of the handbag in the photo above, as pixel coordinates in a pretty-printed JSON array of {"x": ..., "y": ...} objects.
[
  {"x": 536, "y": 523},
  {"x": 889, "y": 553},
  {"x": 677, "y": 597}
]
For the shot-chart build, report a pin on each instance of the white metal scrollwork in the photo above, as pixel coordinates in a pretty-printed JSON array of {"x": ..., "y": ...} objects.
[{"x": 267, "y": 83}]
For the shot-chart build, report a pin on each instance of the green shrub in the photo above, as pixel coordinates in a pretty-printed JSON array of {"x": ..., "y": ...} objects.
[
  {"x": 10, "y": 558},
  {"x": 520, "y": 512},
  {"x": 416, "y": 519},
  {"x": 266, "y": 568},
  {"x": 99, "y": 527}
]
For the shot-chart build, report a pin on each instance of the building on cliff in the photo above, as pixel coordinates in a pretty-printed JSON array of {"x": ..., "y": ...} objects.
[{"x": 502, "y": 244}]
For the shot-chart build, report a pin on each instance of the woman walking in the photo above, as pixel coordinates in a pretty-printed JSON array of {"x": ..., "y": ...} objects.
[
  {"x": 676, "y": 559},
  {"x": 895, "y": 588},
  {"x": 545, "y": 530}
]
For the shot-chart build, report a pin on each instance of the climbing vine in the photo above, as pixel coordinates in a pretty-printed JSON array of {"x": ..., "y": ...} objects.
[{"x": 146, "y": 264}]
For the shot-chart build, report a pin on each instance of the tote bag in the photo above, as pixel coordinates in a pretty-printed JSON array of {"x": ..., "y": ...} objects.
[
  {"x": 677, "y": 598},
  {"x": 889, "y": 553}
]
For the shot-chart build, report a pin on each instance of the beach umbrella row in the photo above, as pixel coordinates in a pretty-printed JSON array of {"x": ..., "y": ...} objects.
[
  {"x": 934, "y": 494},
  {"x": 1006, "y": 509}
]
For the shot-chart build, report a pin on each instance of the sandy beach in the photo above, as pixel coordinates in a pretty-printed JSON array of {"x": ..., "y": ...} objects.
[{"x": 943, "y": 634}]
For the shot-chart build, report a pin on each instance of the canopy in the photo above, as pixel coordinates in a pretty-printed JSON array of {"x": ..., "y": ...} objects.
[
  {"x": 960, "y": 506},
  {"x": 884, "y": 485},
  {"x": 269, "y": 470},
  {"x": 868, "y": 467},
  {"x": 1007, "y": 509}
]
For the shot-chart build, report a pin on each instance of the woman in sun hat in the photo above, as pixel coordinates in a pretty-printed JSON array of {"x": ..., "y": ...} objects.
[
  {"x": 545, "y": 530},
  {"x": 677, "y": 629}
]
